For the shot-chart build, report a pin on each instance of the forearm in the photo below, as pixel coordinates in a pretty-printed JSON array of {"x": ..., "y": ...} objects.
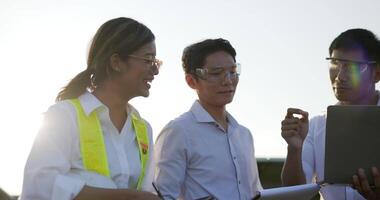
[
  {"x": 93, "y": 193},
  {"x": 292, "y": 171}
]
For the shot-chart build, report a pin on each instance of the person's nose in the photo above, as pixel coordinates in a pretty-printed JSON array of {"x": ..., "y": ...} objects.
[
  {"x": 227, "y": 78},
  {"x": 342, "y": 72},
  {"x": 154, "y": 69}
]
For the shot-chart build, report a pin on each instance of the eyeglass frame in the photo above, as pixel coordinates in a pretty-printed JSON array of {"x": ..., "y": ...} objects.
[
  {"x": 154, "y": 61},
  {"x": 202, "y": 72},
  {"x": 348, "y": 61}
]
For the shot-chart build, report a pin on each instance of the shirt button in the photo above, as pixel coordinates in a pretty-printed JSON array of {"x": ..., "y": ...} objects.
[
  {"x": 234, "y": 157},
  {"x": 239, "y": 182}
]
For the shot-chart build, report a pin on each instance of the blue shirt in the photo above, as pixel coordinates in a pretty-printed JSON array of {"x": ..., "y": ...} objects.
[{"x": 196, "y": 158}]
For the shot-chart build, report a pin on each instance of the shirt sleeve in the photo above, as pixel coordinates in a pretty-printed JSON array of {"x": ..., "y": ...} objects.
[
  {"x": 308, "y": 156},
  {"x": 171, "y": 155},
  {"x": 257, "y": 183},
  {"x": 49, "y": 160}
]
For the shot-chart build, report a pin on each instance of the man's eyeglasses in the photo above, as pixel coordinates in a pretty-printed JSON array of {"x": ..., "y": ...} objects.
[
  {"x": 336, "y": 65},
  {"x": 218, "y": 74},
  {"x": 151, "y": 61}
]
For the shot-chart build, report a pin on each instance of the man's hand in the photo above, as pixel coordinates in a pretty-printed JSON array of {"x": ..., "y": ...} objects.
[
  {"x": 361, "y": 184},
  {"x": 294, "y": 129}
]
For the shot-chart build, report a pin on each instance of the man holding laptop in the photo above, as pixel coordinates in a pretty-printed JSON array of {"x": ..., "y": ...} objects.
[{"x": 354, "y": 71}]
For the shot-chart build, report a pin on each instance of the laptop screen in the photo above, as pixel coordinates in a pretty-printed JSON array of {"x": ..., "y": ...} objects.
[{"x": 352, "y": 142}]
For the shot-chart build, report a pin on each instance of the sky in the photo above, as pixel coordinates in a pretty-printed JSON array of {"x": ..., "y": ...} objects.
[{"x": 281, "y": 46}]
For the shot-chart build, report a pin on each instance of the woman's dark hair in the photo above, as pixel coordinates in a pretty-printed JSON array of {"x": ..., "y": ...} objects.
[
  {"x": 361, "y": 39},
  {"x": 122, "y": 36},
  {"x": 195, "y": 55}
]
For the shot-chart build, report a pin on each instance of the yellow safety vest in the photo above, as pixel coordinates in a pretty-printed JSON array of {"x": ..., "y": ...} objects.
[{"x": 92, "y": 145}]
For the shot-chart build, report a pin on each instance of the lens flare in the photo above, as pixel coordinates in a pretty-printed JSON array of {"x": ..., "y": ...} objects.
[{"x": 355, "y": 75}]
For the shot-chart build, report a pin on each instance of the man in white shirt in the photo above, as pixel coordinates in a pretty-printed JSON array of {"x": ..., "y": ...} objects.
[
  {"x": 354, "y": 71},
  {"x": 205, "y": 153}
]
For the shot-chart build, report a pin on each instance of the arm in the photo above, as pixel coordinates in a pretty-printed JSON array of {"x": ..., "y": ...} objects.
[
  {"x": 256, "y": 182},
  {"x": 92, "y": 193},
  {"x": 49, "y": 159},
  {"x": 292, "y": 171},
  {"x": 294, "y": 131},
  {"x": 171, "y": 155}
]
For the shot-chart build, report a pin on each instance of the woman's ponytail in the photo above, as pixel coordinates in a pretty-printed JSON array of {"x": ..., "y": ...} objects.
[{"x": 77, "y": 86}]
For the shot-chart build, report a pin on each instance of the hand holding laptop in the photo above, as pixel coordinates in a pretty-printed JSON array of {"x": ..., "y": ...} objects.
[
  {"x": 361, "y": 184},
  {"x": 359, "y": 126}
]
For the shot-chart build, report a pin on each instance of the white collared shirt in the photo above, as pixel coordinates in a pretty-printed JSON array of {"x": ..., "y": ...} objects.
[
  {"x": 54, "y": 169},
  {"x": 313, "y": 161},
  {"x": 197, "y": 158}
]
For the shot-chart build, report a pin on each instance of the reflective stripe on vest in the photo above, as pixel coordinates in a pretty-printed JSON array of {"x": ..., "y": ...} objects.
[{"x": 92, "y": 145}]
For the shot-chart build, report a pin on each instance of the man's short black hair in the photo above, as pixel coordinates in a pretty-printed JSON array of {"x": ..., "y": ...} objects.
[
  {"x": 195, "y": 55},
  {"x": 361, "y": 39}
]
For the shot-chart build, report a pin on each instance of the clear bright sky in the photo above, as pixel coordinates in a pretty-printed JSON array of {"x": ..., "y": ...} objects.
[{"x": 280, "y": 44}]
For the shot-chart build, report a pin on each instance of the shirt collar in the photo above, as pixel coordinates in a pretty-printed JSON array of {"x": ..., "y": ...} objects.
[
  {"x": 90, "y": 103},
  {"x": 201, "y": 115}
]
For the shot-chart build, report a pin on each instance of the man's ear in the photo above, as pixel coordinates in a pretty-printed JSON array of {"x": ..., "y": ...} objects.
[
  {"x": 115, "y": 62},
  {"x": 377, "y": 73},
  {"x": 191, "y": 81}
]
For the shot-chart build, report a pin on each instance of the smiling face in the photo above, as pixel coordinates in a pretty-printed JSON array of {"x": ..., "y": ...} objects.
[
  {"x": 219, "y": 91},
  {"x": 353, "y": 84},
  {"x": 137, "y": 72}
]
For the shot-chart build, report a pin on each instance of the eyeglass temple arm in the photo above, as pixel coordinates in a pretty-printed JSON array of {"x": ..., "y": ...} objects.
[{"x": 348, "y": 60}]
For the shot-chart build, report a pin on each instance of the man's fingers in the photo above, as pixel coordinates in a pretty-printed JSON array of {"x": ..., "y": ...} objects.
[
  {"x": 289, "y": 133},
  {"x": 305, "y": 116},
  {"x": 291, "y": 111},
  {"x": 290, "y": 121},
  {"x": 290, "y": 127},
  {"x": 356, "y": 183},
  {"x": 361, "y": 184},
  {"x": 376, "y": 176},
  {"x": 364, "y": 182}
]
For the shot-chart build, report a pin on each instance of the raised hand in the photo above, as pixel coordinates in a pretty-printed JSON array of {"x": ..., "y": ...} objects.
[{"x": 294, "y": 129}]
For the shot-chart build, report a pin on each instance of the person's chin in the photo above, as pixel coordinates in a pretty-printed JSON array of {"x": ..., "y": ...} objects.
[
  {"x": 144, "y": 92},
  {"x": 228, "y": 96},
  {"x": 226, "y": 101},
  {"x": 343, "y": 97},
  {"x": 343, "y": 94}
]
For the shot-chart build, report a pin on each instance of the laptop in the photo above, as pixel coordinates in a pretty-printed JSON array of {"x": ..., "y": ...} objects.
[{"x": 352, "y": 142}]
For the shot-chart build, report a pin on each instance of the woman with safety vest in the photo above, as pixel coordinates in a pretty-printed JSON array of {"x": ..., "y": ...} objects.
[{"x": 94, "y": 144}]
